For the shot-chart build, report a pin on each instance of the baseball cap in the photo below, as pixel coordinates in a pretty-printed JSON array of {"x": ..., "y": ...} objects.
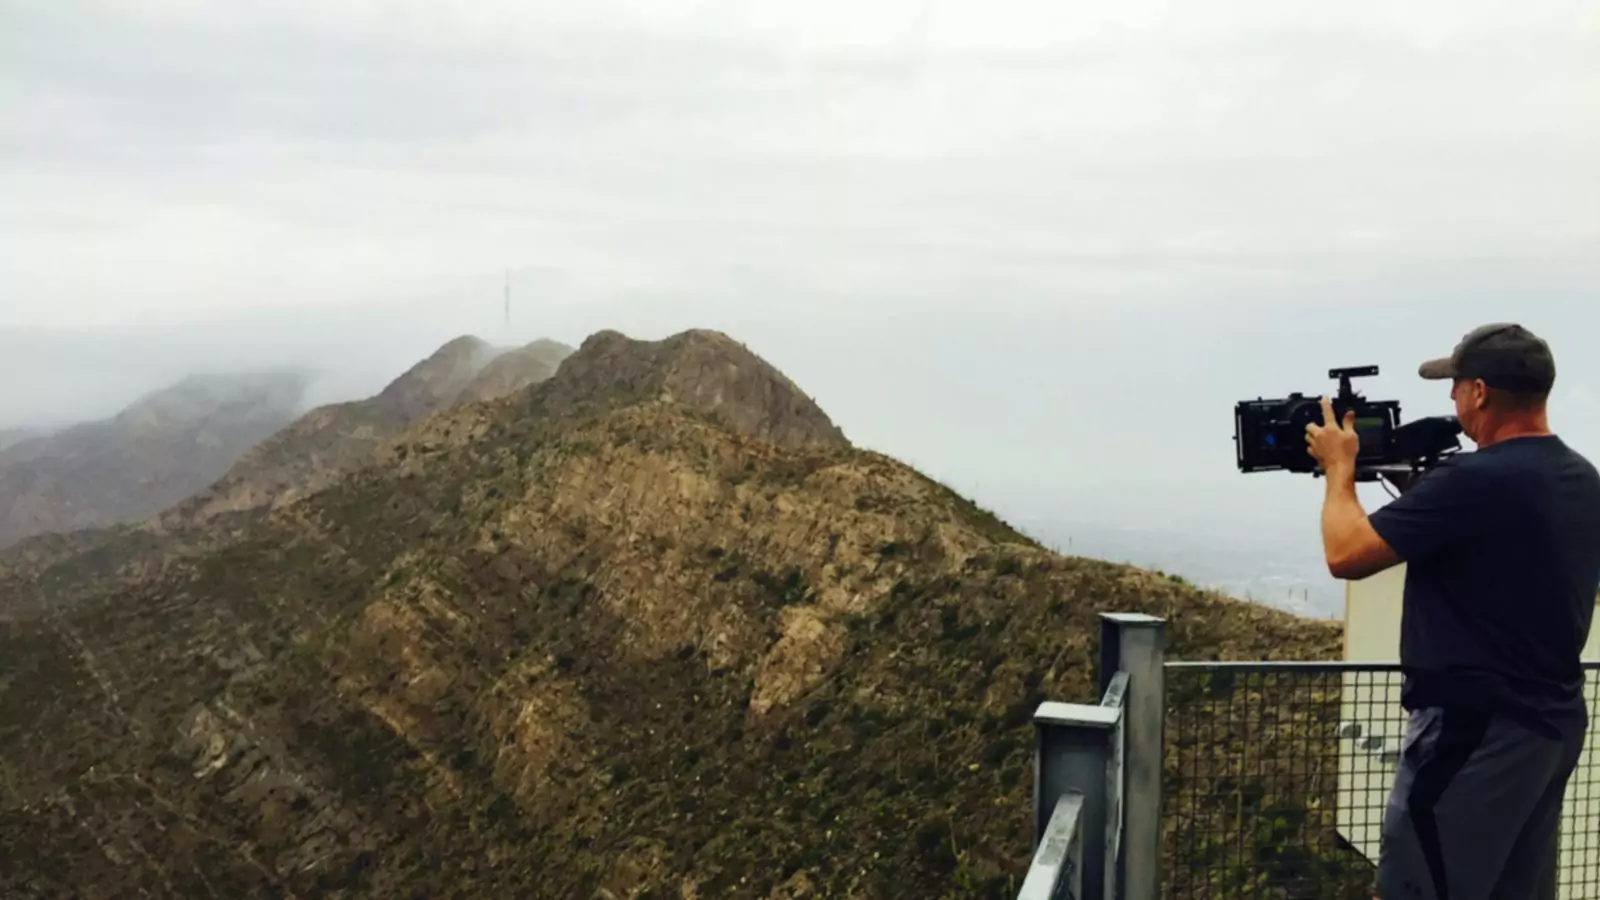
[{"x": 1505, "y": 355}]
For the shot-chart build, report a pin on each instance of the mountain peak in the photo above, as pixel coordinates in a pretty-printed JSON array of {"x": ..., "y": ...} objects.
[
  {"x": 700, "y": 369},
  {"x": 437, "y": 381},
  {"x": 516, "y": 369}
]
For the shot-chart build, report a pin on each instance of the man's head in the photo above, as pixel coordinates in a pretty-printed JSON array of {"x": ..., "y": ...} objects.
[{"x": 1501, "y": 376}]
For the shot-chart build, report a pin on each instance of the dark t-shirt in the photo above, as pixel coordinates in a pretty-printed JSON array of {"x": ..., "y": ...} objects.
[{"x": 1502, "y": 552}]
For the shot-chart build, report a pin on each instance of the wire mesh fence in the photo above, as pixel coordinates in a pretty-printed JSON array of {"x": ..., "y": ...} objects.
[
  {"x": 1578, "y": 873},
  {"x": 1276, "y": 776}
]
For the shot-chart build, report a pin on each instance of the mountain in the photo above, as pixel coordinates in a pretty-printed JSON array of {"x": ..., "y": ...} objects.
[
  {"x": 12, "y": 436},
  {"x": 330, "y": 441},
  {"x": 701, "y": 371},
  {"x": 435, "y": 382},
  {"x": 159, "y": 450},
  {"x": 516, "y": 369},
  {"x": 651, "y": 627}
]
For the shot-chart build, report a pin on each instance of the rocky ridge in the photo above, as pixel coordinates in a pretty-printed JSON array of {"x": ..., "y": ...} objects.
[
  {"x": 327, "y": 443},
  {"x": 651, "y": 627}
]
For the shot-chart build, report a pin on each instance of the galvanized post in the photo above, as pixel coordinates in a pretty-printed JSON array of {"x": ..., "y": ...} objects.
[
  {"x": 1073, "y": 749},
  {"x": 1057, "y": 870},
  {"x": 1136, "y": 644}
]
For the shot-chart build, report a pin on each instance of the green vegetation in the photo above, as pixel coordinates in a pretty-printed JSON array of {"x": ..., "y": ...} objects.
[
  {"x": 604, "y": 647},
  {"x": 1251, "y": 787}
]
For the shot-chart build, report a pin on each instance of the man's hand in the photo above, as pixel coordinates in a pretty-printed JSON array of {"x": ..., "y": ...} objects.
[
  {"x": 1335, "y": 446},
  {"x": 1354, "y": 548}
]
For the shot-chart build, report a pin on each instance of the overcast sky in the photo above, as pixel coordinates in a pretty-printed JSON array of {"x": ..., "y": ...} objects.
[{"x": 1036, "y": 248}]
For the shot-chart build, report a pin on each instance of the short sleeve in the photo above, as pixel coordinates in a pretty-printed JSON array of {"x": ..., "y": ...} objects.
[{"x": 1449, "y": 505}]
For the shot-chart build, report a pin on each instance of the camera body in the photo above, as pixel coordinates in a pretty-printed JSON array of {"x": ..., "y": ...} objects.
[{"x": 1270, "y": 435}]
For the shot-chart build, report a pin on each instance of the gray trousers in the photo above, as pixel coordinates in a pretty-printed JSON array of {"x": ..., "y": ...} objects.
[{"x": 1474, "y": 810}]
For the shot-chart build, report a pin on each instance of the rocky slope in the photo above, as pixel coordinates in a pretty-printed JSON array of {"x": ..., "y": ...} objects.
[
  {"x": 652, "y": 627},
  {"x": 331, "y": 441},
  {"x": 159, "y": 450}
]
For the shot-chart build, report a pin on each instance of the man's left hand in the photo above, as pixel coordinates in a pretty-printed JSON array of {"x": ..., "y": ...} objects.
[{"x": 1335, "y": 446}]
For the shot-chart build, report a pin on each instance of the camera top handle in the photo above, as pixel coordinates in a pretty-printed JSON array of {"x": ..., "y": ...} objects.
[{"x": 1346, "y": 391}]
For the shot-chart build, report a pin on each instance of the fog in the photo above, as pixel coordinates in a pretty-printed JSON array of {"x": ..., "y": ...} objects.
[{"x": 1036, "y": 249}]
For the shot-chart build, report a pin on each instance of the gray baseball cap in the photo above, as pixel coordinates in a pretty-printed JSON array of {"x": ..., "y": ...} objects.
[{"x": 1505, "y": 355}]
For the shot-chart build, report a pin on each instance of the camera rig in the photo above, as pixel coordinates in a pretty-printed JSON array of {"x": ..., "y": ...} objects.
[{"x": 1270, "y": 435}]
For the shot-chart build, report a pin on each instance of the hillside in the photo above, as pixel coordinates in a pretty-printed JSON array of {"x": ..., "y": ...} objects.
[
  {"x": 151, "y": 455},
  {"x": 333, "y": 440},
  {"x": 652, "y": 627}
]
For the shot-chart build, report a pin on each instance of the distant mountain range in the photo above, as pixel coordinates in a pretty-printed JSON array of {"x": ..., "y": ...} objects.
[
  {"x": 158, "y": 451},
  {"x": 12, "y": 436},
  {"x": 333, "y": 440},
  {"x": 257, "y": 454},
  {"x": 230, "y": 442},
  {"x": 649, "y": 627}
]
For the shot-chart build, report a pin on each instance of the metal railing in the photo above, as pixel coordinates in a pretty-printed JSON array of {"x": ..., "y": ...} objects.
[
  {"x": 1264, "y": 797},
  {"x": 1057, "y": 870},
  {"x": 1100, "y": 765},
  {"x": 1081, "y": 745},
  {"x": 1277, "y": 775},
  {"x": 1239, "y": 780}
]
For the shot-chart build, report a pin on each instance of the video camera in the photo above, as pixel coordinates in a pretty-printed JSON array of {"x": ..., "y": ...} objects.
[{"x": 1270, "y": 435}]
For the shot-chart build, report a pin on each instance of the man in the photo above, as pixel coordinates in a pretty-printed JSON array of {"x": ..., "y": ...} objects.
[{"x": 1502, "y": 553}]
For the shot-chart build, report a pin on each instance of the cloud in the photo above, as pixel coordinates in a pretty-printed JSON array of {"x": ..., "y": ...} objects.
[
  {"x": 1039, "y": 247},
  {"x": 174, "y": 156}
]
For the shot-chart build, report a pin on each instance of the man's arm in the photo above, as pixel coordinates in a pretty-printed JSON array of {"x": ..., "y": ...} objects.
[
  {"x": 1353, "y": 548},
  {"x": 1452, "y": 504}
]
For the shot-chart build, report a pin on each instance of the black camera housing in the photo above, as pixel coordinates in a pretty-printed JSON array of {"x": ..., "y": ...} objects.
[{"x": 1270, "y": 435}]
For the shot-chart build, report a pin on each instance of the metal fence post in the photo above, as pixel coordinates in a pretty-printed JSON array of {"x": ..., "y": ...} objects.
[
  {"x": 1136, "y": 643},
  {"x": 1073, "y": 749}
]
